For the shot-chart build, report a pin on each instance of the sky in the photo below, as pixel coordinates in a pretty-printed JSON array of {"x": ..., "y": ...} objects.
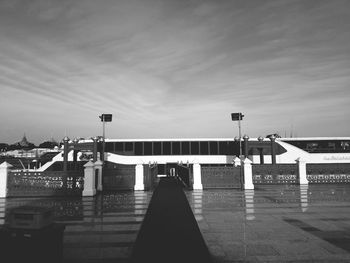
[{"x": 173, "y": 68}]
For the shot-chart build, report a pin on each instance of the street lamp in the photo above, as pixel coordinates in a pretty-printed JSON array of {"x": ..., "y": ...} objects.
[
  {"x": 104, "y": 118},
  {"x": 238, "y": 116}
]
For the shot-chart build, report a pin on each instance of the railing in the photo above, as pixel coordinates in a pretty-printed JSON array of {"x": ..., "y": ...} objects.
[
  {"x": 150, "y": 176},
  {"x": 328, "y": 173},
  {"x": 275, "y": 174},
  {"x": 71, "y": 166},
  {"x": 184, "y": 175},
  {"x": 47, "y": 183}
]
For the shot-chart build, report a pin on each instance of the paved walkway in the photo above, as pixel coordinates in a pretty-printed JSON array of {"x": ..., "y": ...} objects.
[
  {"x": 270, "y": 224},
  {"x": 169, "y": 232}
]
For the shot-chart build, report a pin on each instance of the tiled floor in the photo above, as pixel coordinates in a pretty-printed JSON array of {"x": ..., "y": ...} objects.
[
  {"x": 268, "y": 224},
  {"x": 275, "y": 223},
  {"x": 100, "y": 229}
]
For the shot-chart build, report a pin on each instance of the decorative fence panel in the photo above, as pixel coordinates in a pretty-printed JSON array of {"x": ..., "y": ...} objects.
[
  {"x": 185, "y": 175},
  {"x": 275, "y": 174},
  {"x": 47, "y": 183},
  {"x": 150, "y": 176},
  {"x": 119, "y": 177},
  {"x": 221, "y": 177},
  {"x": 328, "y": 173}
]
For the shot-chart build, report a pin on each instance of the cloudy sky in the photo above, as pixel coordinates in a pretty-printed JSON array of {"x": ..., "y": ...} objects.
[{"x": 173, "y": 68}]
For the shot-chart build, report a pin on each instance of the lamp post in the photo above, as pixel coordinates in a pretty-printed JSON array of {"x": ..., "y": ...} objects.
[
  {"x": 104, "y": 118},
  {"x": 237, "y": 140},
  {"x": 238, "y": 116},
  {"x": 65, "y": 153},
  {"x": 75, "y": 153}
]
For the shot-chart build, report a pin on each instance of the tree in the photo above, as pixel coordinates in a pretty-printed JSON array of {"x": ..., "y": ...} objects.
[
  {"x": 4, "y": 147},
  {"x": 48, "y": 144}
]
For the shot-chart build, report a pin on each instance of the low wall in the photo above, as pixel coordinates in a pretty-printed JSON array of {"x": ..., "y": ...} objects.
[
  {"x": 221, "y": 177},
  {"x": 47, "y": 183},
  {"x": 275, "y": 174},
  {"x": 118, "y": 177},
  {"x": 328, "y": 173}
]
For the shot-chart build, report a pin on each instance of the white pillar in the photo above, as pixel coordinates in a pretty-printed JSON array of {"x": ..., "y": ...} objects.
[
  {"x": 98, "y": 166},
  {"x": 197, "y": 177},
  {"x": 89, "y": 180},
  {"x": 248, "y": 174},
  {"x": 302, "y": 171},
  {"x": 4, "y": 169},
  {"x": 139, "y": 185}
]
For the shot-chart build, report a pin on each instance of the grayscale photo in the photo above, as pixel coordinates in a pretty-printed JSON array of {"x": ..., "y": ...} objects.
[{"x": 174, "y": 131}]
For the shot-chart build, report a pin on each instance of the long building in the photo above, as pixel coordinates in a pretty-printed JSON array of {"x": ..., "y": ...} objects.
[{"x": 210, "y": 162}]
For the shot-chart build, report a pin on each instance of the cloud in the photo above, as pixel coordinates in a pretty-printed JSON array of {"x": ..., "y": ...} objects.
[{"x": 163, "y": 63}]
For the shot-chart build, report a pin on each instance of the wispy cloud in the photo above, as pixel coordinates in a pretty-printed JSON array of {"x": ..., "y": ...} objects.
[{"x": 174, "y": 64}]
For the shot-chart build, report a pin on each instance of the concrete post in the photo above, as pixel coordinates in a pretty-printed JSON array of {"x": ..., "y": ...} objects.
[
  {"x": 261, "y": 154},
  {"x": 197, "y": 177},
  {"x": 65, "y": 153},
  {"x": 248, "y": 174},
  {"x": 98, "y": 167},
  {"x": 261, "y": 150},
  {"x": 273, "y": 151},
  {"x": 89, "y": 180},
  {"x": 302, "y": 171},
  {"x": 4, "y": 169},
  {"x": 139, "y": 184},
  {"x": 94, "y": 151}
]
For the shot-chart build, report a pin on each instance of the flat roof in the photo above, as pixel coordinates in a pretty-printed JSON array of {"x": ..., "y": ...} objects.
[{"x": 222, "y": 139}]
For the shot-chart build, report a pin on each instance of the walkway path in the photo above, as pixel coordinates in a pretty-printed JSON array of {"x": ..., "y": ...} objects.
[{"x": 169, "y": 232}]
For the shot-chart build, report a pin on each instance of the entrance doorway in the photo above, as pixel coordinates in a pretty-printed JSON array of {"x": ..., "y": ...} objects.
[{"x": 182, "y": 172}]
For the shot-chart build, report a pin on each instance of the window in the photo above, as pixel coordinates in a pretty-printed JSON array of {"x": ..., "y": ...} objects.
[
  {"x": 129, "y": 147},
  {"x": 138, "y": 148},
  {"x": 194, "y": 148},
  {"x": 148, "y": 148},
  {"x": 231, "y": 148},
  {"x": 109, "y": 147},
  {"x": 204, "y": 148},
  {"x": 223, "y": 148},
  {"x": 311, "y": 146},
  {"x": 157, "y": 148},
  {"x": 185, "y": 148},
  {"x": 176, "y": 148},
  {"x": 118, "y": 146},
  {"x": 345, "y": 145},
  {"x": 213, "y": 148},
  {"x": 166, "y": 148},
  {"x": 331, "y": 145}
]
